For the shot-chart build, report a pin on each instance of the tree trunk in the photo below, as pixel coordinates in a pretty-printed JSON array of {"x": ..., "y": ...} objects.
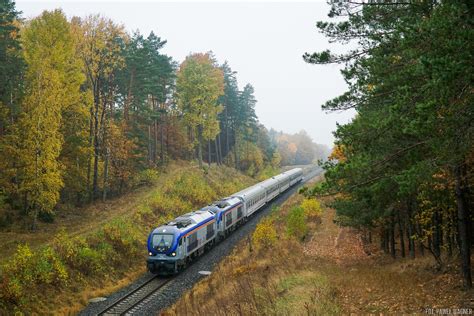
[
  {"x": 236, "y": 156},
  {"x": 400, "y": 233},
  {"x": 154, "y": 149},
  {"x": 463, "y": 224},
  {"x": 89, "y": 160},
  {"x": 221, "y": 158},
  {"x": 437, "y": 234},
  {"x": 449, "y": 238},
  {"x": 209, "y": 158},
  {"x": 95, "y": 177},
  {"x": 384, "y": 241},
  {"x": 128, "y": 101},
  {"x": 226, "y": 132},
  {"x": 200, "y": 146},
  {"x": 411, "y": 241},
  {"x": 392, "y": 237},
  {"x": 150, "y": 146},
  {"x": 162, "y": 139},
  {"x": 106, "y": 174},
  {"x": 217, "y": 151}
]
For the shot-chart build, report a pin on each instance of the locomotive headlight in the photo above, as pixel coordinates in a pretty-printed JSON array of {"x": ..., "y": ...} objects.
[
  {"x": 173, "y": 254},
  {"x": 150, "y": 253}
]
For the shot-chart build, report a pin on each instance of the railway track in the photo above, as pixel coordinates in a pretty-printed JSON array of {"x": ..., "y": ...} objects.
[
  {"x": 133, "y": 301},
  {"x": 149, "y": 293}
]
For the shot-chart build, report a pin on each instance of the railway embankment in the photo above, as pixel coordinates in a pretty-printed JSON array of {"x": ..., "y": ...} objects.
[
  {"x": 95, "y": 250},
  {"x": 147, "y": 296},
  {"x": 300, "y": 262}
]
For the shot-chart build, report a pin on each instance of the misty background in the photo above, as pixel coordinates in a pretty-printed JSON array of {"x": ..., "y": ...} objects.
[{"x": 262, "y": 41}]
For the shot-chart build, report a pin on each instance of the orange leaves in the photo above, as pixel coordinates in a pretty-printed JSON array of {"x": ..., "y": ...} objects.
[{"x": 338, "y": 153}]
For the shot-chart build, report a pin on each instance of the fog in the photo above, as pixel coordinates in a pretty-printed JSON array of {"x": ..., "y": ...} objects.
[{"x": 262, "y": 41}]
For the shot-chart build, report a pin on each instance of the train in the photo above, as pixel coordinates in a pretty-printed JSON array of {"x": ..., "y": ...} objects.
[{"x": 171, "y": 247}]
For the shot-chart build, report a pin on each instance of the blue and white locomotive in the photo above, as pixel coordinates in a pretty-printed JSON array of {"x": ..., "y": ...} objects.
[{"x": 172, "y": 246}]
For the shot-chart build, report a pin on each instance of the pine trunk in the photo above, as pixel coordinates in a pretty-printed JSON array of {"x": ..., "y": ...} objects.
[
  {"x": 400, "y": 233},
  {"x": 392, "y": 238},
  {"x": 411, "y": 241}
]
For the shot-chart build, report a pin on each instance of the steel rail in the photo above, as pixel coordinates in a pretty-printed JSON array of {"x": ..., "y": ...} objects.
[{"x": 134, "y": 298}]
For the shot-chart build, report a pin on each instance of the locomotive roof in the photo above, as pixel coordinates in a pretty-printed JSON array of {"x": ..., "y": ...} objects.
[
  {"x": 222, "y": 204},
  {"x": 185, "y": 222}
]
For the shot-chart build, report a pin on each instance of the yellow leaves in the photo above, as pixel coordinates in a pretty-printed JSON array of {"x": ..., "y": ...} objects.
[
  {"x": 265, "y": 235},
  {"x": 53, "y": 83},
  {"x": 338, "y": 153},
  {"x": 311, "y": 207},
  {"x": 97, "y": 40},
  {"x": 199, "y": 84}
]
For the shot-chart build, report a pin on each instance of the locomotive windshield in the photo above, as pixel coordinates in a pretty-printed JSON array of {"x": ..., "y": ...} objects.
[{"x": 162, "y": 242}]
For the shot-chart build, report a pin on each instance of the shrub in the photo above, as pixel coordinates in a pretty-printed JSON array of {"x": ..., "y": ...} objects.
[
  {"x": 26, "y": 270},
  {"x": 311, "y": 207},
  {"x": 190, "y": 187},
  {"x": 68, "y": 247},
  {"x": 146, "y": 177},
  {"x": 166, "y": 204},
  {"x": 123, "y": 237},
  {"x": 50, "y": 268},
  {"x": 265, "y": 234},
  {"x": 89, "y": 261},
  {"x": 296, "y": 223}
]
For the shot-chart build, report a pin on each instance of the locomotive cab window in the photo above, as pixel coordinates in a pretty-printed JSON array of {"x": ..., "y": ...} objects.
[{"x": 162, "y": 242}]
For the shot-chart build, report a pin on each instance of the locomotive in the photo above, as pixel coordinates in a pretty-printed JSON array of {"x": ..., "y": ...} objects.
[{"x": 171, "y": 247}]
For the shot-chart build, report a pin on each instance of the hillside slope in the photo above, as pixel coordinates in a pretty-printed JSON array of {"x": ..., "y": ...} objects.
[
  {"x": 95, "y": 250},
  {"x": 326, "y": 271}
]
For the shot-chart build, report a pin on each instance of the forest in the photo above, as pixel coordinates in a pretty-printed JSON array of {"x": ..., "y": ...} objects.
[
  {"x": 404, "y": 167},
  {"x": 89, "y": 111}
]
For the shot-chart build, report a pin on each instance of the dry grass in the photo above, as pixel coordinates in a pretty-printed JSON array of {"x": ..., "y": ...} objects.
[{"x": 328, "y": 274}]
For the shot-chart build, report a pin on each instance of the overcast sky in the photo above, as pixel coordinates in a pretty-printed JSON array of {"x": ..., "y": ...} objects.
[{"x": 262, "y": 41}]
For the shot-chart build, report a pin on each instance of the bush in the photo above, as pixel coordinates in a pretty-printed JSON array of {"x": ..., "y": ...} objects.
[
  {"x": 26, "y": 270},
  {"x": 311, "y": 207},
  {"x": 89, "y": 261},
  {"x": 166, "y": 204},
  {"x": 146, "y": 177},
  {"x": 123, "y": 237},
  {"x": 296, "y": 223},
  {"x": 265, "y": 234},
  {"x": 190, "y": 187},
  {"x": 50, "y": 268}
]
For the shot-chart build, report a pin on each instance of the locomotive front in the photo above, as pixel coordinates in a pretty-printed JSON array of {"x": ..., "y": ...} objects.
[{"x": 164, "y": 255}]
